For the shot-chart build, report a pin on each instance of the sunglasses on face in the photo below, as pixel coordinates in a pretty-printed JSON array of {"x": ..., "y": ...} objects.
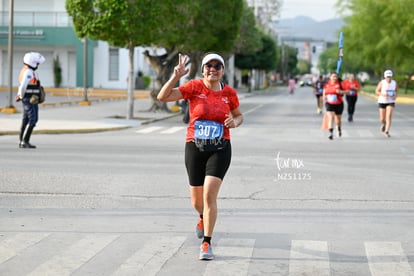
[{"x": 216, "y": 66}]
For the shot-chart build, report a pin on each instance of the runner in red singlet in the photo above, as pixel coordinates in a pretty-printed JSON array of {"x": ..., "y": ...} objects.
[
  {"x": 332, "y": 94},
  {"x": 214, "y": 109}
]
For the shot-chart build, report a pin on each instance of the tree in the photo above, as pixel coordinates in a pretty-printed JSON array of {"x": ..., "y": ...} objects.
[
  {"x": 124, "y": 24},
  {"x": 303, "y": 66},
  {"x": 202, "y": 32},
  {"x": 264, "y": 58},
  {"x": 292, "y": 61},
  {"x": 57, "y": 72},
  {"x": 216, "y": 30},
  {"x": 249, "y": 37},
  {"x": 379, "y": 33},
  {"x": 265, "y": 12}
]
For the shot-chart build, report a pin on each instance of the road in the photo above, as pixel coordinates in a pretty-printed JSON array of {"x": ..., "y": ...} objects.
[{"x": 293, "y": 202}]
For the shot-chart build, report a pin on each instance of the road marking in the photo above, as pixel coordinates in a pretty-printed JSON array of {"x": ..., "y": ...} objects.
[
  {"x": 344, "y": 133},
  {"x": 75, "y": 256},
  {"x": 172, "y": 130},
  {"x": 232, "y": 257},
  {"x": 12, "y": 246},
  {"x": 149, "y": 129},
  {"x": 253, "y": 109},
  {"x": 387, "y": 258},
  {"x": 309, "y": 258},
  {"x": 150, "y": 259},
  {"x": 408, "y": 132},
  {"x": 365, "y": 133}
]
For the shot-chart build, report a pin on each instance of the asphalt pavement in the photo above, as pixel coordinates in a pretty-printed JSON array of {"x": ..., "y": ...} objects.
[{"x": 294, "y": 202}]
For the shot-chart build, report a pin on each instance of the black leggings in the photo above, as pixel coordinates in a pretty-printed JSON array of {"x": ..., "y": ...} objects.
[
  {"x": 200, "y": 164},
  {"x": 351, "y": 100}
]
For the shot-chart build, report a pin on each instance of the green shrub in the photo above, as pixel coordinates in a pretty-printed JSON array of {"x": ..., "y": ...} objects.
[{"x": 147, "y": 81}]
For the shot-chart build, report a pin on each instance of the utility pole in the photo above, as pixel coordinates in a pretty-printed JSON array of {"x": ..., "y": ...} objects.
[
  {"x": 10, "y": 108},
  {"x": 85, "y": 73}
]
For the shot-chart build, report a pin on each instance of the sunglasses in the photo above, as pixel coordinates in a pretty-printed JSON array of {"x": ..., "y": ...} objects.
[{"x": 216, "y": 66}]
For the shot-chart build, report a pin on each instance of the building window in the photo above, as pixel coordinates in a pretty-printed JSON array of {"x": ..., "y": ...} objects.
[{"x": 114, "y": 64}]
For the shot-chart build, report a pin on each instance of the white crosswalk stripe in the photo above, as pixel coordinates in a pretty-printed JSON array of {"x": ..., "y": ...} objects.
[
  {"x": 78, "y": 254},
  {"x": 346, "y": 132},
  {"x": 10, "y": 247},
  {"x": 149, "y": 129},
  {"x": 365, "y": 133},
  {"x": 387, "y": 258},
  {"x": 172, "y": 130},
  {"x": 309, "y": 258},
  {"x": 150, "y": 259},
  {"x": 233, "y": 256}
]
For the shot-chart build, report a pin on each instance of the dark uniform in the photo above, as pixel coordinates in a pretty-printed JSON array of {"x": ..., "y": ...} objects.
[{"x": 29, "y": 93}]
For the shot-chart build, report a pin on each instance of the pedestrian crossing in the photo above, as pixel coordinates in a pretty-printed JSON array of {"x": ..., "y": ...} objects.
[
  {"x": 310, "y": 257},
  {"x": 310, "y": 132},
  {"x": 160, "y": 129},
  {"x": 387, "y": 258},
  {"x": 157, "y": 254},
  {"x": 73, "y": 257},
  {"x": 151, "y": 257}
]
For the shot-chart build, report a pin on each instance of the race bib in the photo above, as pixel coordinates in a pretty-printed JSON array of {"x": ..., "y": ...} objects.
[
  {"x": 390, "y": 93},
  {"x": 352, "y": 92},
  {"x": 320, "y": 90},
  {"x": 331, "y": 98},
  {"x": 208, "y": 130}
]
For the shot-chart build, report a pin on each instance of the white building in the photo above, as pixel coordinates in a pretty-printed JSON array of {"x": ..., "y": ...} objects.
[{"x": 44, "y": 26}]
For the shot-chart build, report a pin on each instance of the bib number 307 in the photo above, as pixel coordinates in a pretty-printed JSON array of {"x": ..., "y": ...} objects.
[{"x": 204, "y": 129}]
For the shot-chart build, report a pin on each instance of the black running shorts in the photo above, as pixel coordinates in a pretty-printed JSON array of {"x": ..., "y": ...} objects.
[
  {"x": 384, "y": 105},
  {"x": 200, "y": 164},
  {"x": 337, "y": 108}
]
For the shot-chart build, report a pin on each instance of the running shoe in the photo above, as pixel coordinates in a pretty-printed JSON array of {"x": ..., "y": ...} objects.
[
  {"x": 387, "y": 134},
  {"x": 383, "y": 127},
  {"x": 206, "y": 253},
  {"x": 339, "y": 132},
  {"x": 200, "y": 229}
]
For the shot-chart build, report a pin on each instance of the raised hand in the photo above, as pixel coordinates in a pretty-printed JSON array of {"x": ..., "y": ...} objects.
[{"x": 180, "y": 70}]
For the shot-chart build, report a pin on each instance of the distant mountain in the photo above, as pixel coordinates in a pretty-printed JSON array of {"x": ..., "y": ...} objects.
[
  {"x": 303, "y": 26},
  {"x": 297, "y": 21}
]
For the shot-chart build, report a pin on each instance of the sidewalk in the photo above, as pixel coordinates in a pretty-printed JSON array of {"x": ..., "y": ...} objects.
[
  {"x": 401, "y": 99},
  {"x": 70, "y": 117}
]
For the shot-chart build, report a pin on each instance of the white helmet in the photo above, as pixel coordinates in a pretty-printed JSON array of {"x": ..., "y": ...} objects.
[{"x": 33, "y": 59}]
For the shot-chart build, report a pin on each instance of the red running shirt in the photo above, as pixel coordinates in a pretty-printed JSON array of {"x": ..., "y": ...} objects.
[
  {"x": 332, "y": 97},
  {"x": 206, "y": 104},
  {"x": 348, "y": 84}
]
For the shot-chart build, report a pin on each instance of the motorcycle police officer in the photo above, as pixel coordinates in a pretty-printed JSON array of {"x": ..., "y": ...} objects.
[{"x": 29, "y": 93}]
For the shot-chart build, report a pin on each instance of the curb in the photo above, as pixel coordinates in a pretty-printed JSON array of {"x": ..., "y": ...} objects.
[
  {"x": 66, "y": 131},
  {"x": 89, "y": 130},
  {"x": 400, "y": 99},
  {"x": 160, "y": 119}
]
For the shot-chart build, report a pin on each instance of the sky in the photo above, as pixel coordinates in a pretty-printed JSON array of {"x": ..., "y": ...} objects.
[{"x": 319, "y": 10}]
